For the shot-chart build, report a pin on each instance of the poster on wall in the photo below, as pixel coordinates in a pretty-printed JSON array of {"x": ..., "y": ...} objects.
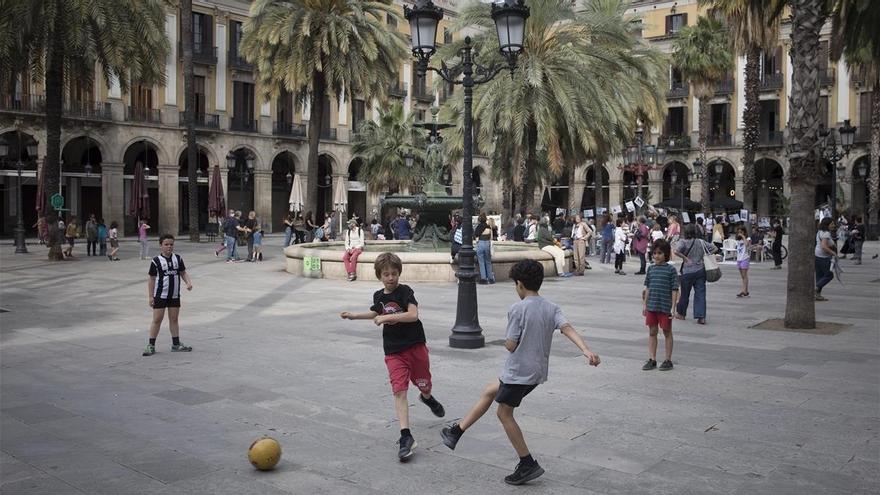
[
  {"x": 588, "y": 213},
  {"x": 685, "y": 217},
  {"x": 630, "y": 206},
  {"x": 639, "y": 201},
  {"x": 744, "y": 214},
  {"x": 734, "y": 218},
  {"x": 616, "y": 210},
  {"x": 700, "y": 215},
  {"x": 601, "y": 211}
]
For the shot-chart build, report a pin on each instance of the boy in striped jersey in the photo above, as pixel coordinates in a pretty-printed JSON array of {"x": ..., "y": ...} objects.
[
  {"x": 166, "y": 272},
  {"x": 658, "y": 299}
]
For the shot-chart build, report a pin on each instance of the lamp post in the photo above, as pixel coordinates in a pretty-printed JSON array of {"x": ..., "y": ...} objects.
[
  {"x": 831, "y": 152},
  {"x": 510, "y": 22},
  {"x": 20, "y": 243},
  {"x": 244, "y": 170},
  {"x": 640, "y": 158},
  {"x": 685, "y": 180}
]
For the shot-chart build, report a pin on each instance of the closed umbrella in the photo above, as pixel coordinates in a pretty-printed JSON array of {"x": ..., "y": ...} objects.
[
  {"x": 296, "y": 195},
  {"x": 340, "y": 199},
  {"x": 216, "y": 199},
  {"x": 139, "y": 205},
  {"x": 41, "y": 192}
]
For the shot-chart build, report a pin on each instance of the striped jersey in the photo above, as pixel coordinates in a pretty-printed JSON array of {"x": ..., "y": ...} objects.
[
  {"x": 167, "y": 272},
  {"x": 661, "y": 281}
]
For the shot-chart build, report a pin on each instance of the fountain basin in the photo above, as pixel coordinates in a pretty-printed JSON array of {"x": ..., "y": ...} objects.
[{"x": 418, "y": 266}]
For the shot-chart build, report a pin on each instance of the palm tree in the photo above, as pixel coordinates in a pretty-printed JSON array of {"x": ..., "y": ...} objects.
[
  {"x": 383, "y": 147},
  {"x": 316, "y": 48},
  {"x": 62, "y": 40},
  {"x": 855, "y": 35},
  {"x": 189, "y": 117},
  {"x": 548, "y": 108},
  {"x": 808, "y": 16},
  {"x": 703, "y": 56},
  {"x": 753, "y": 29}
]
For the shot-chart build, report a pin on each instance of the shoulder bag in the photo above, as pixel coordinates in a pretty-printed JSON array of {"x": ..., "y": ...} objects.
[{"x": 713, "y": 271}]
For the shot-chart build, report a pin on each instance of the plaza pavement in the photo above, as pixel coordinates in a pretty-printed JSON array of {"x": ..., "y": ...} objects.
[{"x": 745, "y": 411}]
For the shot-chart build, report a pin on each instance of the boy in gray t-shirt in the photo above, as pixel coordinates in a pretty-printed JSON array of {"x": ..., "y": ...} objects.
[{"x": 530, "y": 326}]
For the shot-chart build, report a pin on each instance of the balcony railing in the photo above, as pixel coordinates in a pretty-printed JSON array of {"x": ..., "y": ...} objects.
[
  {"x": 207, "y": 120},
  {"x": 242, "y": 124},
  {"x": 202, "y": 53},
  {"x": 724, "y": 87},
  {"x": 288, "y": 129},
  {"x": 863, "y": 134},
  {"x": 826, "y": 77},
  {"x": 770, "y": 82},
  {"x": 147, "y": 115},
  {"x": 423, "y": 96},
  {"x": 236, "y": 61},
  {"x": 719, "y": 140},
  {"x": 770, "y": 138},
  {"x": 857, "y": 78},
  {"x": 396, "y": 90},
  {"x": 91, "y": 110},
  {"x": 24, "y": 103},
  {"x": 676, "y": 142},
  {"x": 329, "y": 134},
  {"x": 678, "y": 90}
]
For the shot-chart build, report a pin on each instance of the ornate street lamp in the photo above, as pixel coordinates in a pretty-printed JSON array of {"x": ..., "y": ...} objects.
[
  {"x": 831, "y": 152},
  {"x": 685, "y": 180},
  {"x": 510, "y": 19},
  {"x": 20, "y": 243},
  {"x": 640, "y": 158}
]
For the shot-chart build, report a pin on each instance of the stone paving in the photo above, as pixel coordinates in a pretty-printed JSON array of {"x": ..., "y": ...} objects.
[{"x": 745, "y": 411}]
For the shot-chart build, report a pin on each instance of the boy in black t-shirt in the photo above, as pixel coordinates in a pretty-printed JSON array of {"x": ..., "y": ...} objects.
[
  {"x": 403, "y": 339},
  {"x": 166, "y": 272}
]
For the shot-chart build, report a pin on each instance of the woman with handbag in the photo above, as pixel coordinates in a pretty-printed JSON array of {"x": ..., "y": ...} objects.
[{"x": 696, "y": 254}]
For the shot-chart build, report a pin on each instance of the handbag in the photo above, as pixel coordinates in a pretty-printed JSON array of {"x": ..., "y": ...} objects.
[{"x": 713, "y": 271}]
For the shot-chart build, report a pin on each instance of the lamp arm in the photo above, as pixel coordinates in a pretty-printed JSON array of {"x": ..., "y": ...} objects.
[
  {"x": 487, "y": 73},
  {"x": 446, "y": 74}
]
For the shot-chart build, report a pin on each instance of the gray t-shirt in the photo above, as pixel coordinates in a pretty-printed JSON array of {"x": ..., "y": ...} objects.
[
  {"x": 820, "y": 236},
  {"x": 531, "y": 322},
  {"x": 694, "y": 250}
]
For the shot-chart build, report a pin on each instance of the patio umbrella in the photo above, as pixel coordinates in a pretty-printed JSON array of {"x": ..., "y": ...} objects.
[
  {"x": 139, "y": 204},
  {"x": 340, "y": 199},
  {"x": 216, "y": 200},
  {"x": 296, "y": 194},
  {"x": 725, "y": 203},
  {"x": 41, "y": 192},
  {"x": 676, "y": 203}
]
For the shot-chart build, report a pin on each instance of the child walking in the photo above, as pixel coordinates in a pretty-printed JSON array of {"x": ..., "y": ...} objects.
[
  {"x": 142, "y": 238},
  {"x": 530, "y": 326},
  {"x": 743, "y": 253},
  {"x": 114, "y": 241},
  {"x": 166, "y": 272},
  {"x": 403, "y": 339},
  {"x": 658, "y": 298}
]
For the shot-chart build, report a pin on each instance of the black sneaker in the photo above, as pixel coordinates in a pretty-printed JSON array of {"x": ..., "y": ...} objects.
[
  {"x": 649, "y": 365},
  {"x": 665, "y": 365},
  {"x": 436, "y": 407},
  {"x": 524, "y": 474},
  {"x": 450, "y": 439},
  {"x": 407, "y": 445}
]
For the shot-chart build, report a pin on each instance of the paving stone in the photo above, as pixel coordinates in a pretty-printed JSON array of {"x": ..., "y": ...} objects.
[
  {"x": 37, "y": 413},
  {"x": 188, "y": 396}
]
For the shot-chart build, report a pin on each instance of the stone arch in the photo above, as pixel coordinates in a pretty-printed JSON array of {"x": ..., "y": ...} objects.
[
  {"x": 99, "y": 141},
  {"x": 259, "y": 163},
  {"x": 596, "y": 192},
  {"x": 82, "y": 154},
  {"x": 283, "y": 175},
  {"x": 203, "y": 155},
  {"x": 240, "y": 179},
  {"x": 769, "y": 180},
  {"x": 17, "y": 142},
  {"x": 183, "y": 191},
  {"x": 328, "y": 168},
  {"x": 723, "y": 184},
  {"x": 143, "y": 150},
  {"x": 858, "y": 200},
  {"x": 336, "y": 162},
  {"x": 298, "y": 164},
  {"x": 209, "y": 153},
  {"x": 679, "y": 188},
  {"x": 161, "y": 153},
  {"x": 477, "y": 176}
]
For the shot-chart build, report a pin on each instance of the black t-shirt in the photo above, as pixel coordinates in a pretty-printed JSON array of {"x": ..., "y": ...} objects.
[
  {"x": 401, "y": 336},
  {"x": 251, "y": 224},
  {"x": 519, "y": 232},
  {"x": 230, "y": 228},
  {"x": 482, "y": 232}
]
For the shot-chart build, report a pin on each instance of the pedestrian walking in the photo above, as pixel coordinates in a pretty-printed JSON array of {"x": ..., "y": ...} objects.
[
  {"x": 776, "y": 247},
  {"x": 743, "y": 255},
  {"x": 71, "y": 232},
  {"x": 163, "y": 288},
  {"x": 113, "y": 235},
  {"x": 250, "y": 224},
  {"x": 658, "y": 298},
  {"x": 621, "y": 237},
  {"x": 288, "y": 229},
  {"x": 825, "y": 254},
  {"x": 42, "y": 227},
  {"x": 693, "y": 274},
  {"x": 102, "y": 238},
  {"x": 231, "y": 229},
  {"x": 857, "y": 238},
  {"x": 258, "y": 242},
  {"x": 718, "y": 232},
  {"x": 640, "y": 243},
  {"x": 143, "y": 227},
  {"x": 92, "y": 236}
]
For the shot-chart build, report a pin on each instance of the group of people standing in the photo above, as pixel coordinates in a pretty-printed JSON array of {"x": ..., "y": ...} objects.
[
  {"x": 96, "y": 232},
  {"x": 834, "y": 240},
  {"x": 249, "y": 231}
]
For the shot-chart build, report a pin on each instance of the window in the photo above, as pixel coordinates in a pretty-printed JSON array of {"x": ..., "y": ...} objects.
[
  {"x": 420, "y": 115},
  {"x": 675, "y": 22},
  {"x": 419, "y": 83},
  {"x": 141, "y": 97},
  {"x": 771, "y": 62},
  {"x": 720, "y": 117},
  {"x": 236, "y": 33},
  {"x": 675, "y": 79},
  {"x": 285, "y": 107},
  {"x": 358, "y": 113},
  {"x": 199, "y": 87},
  {"x": 823, "y": 111},
  {"x": 243, "y": 104},
  {"x": 636, "y": 27},
  {"x": 325, "y": 125},
  {"x": 447, "y": 36},
  {"x": 391, "y": 20},
  {"x": 675, "y": 122}
]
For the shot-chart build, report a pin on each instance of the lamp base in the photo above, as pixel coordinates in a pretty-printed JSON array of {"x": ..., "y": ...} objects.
[{"x": 20, "y": 243}]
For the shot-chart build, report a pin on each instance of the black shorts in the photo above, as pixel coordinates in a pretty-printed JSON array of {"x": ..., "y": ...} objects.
[
  {"x": 512, "y": 394},
  {"x": 70, "y": 241},
  {"x": 166, "y": 303}
]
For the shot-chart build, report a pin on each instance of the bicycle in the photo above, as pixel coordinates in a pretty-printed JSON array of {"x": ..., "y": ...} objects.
[{"x": 768, "y": 251}]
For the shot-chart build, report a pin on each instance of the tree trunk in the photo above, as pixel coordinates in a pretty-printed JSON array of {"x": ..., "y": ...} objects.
[
  {"x": 316, "y": 121},
  {"x": 703, "y": 119},
  {"x": 530, "y": 166},
  {"x": 807, "y": 20},
  {"x": 752, "y": 121},
  {"x": 54, "y": 105},
  {"x": 189, "y": 115},
  {"x": 874, "y": 164},
  {"x": 573, "y": 203},
  {"x": 597, "y": 177}
]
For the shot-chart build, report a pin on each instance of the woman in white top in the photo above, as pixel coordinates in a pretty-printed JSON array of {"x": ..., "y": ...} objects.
[
  {"x": 825, "y": 253},
  {"x": 354, "y": 246},
  {"x": 620, "y": 238}
]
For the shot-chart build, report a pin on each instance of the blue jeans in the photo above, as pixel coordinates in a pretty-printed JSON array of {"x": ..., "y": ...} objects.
[
  {"x": 823, "y": 273},
  {"x": 288, "y": 233},
  {"x": 484, "y": 258},
  {"x": 697, "y": 281},
  {"x": 230, "y": 247},
  {"x": 607, "y": 250}
]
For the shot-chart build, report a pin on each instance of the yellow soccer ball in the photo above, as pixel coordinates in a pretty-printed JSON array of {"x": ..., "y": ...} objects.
[{"x": 264, "y": 453}]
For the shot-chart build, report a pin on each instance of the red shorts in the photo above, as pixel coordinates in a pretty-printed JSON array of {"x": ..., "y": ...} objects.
[
  {"x": 410, "y": 365},
  {"x": 658, "y": 319}
]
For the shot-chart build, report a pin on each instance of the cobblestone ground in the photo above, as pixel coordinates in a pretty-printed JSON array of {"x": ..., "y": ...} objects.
[{"x": 744, "y": 411}]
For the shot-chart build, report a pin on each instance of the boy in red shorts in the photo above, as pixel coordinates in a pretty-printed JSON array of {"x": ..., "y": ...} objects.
[
  {"x": 403, "y": 339},
  {"x": 658, "y": 298}
]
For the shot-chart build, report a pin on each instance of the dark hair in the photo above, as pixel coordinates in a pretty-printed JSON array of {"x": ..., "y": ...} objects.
[
  {"x": 719, "y": 219},
  {"x": 700, "y": 220},
  {"x": 690, "y": 231},
  {"x": 662, "y": 245},
  {"x": 529, "y": 272},
  {"x": 113, "y": 224},
  {"x": 387, "y": 260},
  {"x": 165, "y": 236},
  {"x": 482, "y": 217},
  {"x": 825, "y": 223},
  {"x": 618, "y": 222}
]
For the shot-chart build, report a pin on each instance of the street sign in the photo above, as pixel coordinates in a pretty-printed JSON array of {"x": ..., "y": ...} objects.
[{"x": 57, "y": 201}]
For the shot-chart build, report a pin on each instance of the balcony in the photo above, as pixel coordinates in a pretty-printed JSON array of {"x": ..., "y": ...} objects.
[
  {"x": 236, "y": 61},
  {"x": 826, "y": 77},
  {"x": 678, "y": 90},
  {"x": 719, "y": 140},
  {"x": 770, "y": 138},
  {"x": 771, "y": 82},
  {"x": 88, "y": 110},
  {"x": 396, "y": 90},
  {"x": 145, "y": 115},
  {"x": 243, "y": 124},
  {"x": 329, "y": 134},
  {"x": 676, "y": 142},
  {"x": 858, "y": 78},
  {"x": 202, "y": 53},
  {"x": 35, "y": 104},
  {"x": 863, "y": 134},
  {"x": 724, "y": 87},
  {"x": 207, "y": 120},
  {"x": 288, "y": 129},
  {"x": 422, "y": 95}
]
